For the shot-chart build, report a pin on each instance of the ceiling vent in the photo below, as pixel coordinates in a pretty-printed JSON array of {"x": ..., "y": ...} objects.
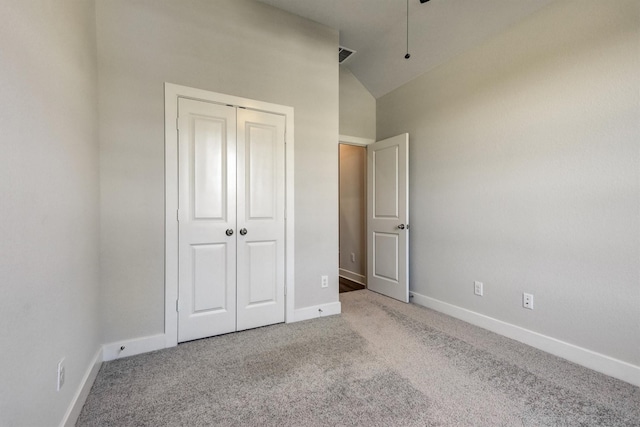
[{"x": 344, "y": 54}]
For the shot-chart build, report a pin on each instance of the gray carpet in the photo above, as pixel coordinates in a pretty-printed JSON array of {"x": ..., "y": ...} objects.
[{"x": 380, "y": 363}]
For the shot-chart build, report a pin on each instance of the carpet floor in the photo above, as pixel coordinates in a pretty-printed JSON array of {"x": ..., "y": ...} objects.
[{"x": 379, "y": 363}]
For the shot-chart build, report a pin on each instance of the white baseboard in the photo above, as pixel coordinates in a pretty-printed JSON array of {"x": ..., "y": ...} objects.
[
  {"x": 314, "y": 311},
  {"x": 132, "y": 347},
  {"x": 590, "y": 359},
  {"x": 73, "y": 412},
  {"x": 354, "y": 277}
]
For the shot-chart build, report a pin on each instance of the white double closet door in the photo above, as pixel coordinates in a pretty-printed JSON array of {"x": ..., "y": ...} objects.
[{"x": 231, "y": 225}]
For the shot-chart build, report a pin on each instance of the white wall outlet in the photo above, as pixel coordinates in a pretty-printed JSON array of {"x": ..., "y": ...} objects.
[
  {"x": 324, "y": 281},
  {"x": 353, "y": 257},
  {"x": 478, "y": 288},
  {"x": 61, "y": 374},
  {"x": 527, "y": 301}
]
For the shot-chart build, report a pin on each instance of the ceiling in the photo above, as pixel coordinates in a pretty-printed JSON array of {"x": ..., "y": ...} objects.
[{"x": 438, "y": 31}]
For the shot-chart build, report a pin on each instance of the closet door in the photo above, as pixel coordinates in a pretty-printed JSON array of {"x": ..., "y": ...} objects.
[
  {"x": 207, "y": 219},
  {"x": 261, "y": 225}
]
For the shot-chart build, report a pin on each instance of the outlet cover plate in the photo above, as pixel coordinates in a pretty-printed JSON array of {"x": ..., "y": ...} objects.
[
  {"x": 527, "y": 301},
  {"x": 478, "y": 288}
]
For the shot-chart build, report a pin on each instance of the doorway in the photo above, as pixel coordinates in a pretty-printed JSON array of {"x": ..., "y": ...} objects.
[
  {"x": 374, "y": 215},
  {"x": 353, "y": 214}
]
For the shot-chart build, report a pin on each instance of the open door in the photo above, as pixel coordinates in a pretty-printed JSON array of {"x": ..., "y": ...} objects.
[{"x": 388, "y": 217}]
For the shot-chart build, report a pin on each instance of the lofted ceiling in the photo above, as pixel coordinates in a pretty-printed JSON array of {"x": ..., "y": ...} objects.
[{"x": 438, "y": 31}]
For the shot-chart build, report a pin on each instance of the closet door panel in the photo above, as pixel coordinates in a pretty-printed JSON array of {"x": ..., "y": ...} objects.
[
  {"x": 207, "y": 209},
  {"x": 261, "y": 223}
]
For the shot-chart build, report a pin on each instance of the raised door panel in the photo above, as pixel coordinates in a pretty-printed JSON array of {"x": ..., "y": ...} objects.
[
  {"x": 263, "y": 273},
  {"x": 385, "y": 184},
  {"x": 261, "y": 172},
  {"x": 385, "y": 248},
  {"x": 209, "y": 278},
  {"x": 209, "y": 160}
]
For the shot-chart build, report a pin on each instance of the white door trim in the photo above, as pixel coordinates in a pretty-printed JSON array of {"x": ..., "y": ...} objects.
[
  {"x": 355, "y": 140},
  {"x": 171, "y": 94}
]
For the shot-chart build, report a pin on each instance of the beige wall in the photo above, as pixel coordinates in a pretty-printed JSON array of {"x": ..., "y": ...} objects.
[
  {"x": 237, "y": 47},
  {"x": 525, "y": 174},
  {"x": 48, "y": 206},
  {"x": 357, "y": 107},
  {"x": 353, "y": 209}
]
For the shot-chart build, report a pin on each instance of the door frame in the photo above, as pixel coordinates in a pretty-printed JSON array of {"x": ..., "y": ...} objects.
[
  {"x": 171, "y": 94},
  {"x": 358, "y": 142}
]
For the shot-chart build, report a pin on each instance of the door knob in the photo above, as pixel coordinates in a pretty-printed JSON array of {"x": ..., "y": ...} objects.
[
  {"x": 243, "y": 231},
  {"x": 401, "y": 226},
  {"x": 229, "y": 232}
]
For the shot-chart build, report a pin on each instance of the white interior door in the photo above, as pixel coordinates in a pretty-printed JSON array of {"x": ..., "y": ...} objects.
[
  {"x": 388, "y": 217},
  {"x": 207, "y": 218},
  {"x": 231, "y": 191},
  {"x": 261, "y": 201}
]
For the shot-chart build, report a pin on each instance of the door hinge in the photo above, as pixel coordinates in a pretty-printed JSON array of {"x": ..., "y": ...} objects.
[
  {"x": 177, "y": 305},
  {"x": 178, "y": 123},
  {"x": 178, "y": 215}
]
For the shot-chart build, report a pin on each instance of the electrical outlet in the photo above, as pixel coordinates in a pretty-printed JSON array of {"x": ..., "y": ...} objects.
[
  {"x": 353, "y": 257},
  {"x": 324, "y": 281},
  {"x": 478, "y": 288},
  {"x": 527, "y": 301},
  {"x": 61, "y": 374}
]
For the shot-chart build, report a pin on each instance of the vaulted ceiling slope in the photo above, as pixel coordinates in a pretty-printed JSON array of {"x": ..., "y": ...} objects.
[{"x": 438, "y": 31}]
